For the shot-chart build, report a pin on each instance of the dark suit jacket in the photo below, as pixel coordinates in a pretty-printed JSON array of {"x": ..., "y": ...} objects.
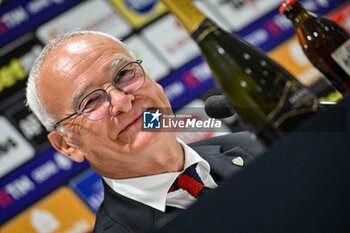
[{"x": 120, "y": 214}]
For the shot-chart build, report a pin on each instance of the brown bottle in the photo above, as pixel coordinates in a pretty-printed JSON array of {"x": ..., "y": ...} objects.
[{"x": 324, "y": 42}]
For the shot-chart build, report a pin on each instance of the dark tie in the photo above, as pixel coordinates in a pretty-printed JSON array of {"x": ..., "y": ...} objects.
[{"x": 190, "y": 181}]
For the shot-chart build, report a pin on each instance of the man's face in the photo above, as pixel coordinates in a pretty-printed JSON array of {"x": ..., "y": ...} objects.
[{"x": 116, "y": 143}]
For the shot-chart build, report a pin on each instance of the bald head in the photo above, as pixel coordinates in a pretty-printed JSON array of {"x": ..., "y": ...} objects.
[{"x": 60, "y": 63}]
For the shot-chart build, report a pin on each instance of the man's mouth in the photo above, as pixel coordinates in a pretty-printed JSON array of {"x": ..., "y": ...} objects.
[{"x": 132, "y": 123}]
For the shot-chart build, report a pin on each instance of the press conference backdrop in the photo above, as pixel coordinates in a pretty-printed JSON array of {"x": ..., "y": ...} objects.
[{"x": 42, "y": 189}]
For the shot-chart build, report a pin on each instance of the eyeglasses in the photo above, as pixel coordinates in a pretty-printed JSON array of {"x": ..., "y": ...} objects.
[{"x": 95, "y": 105}]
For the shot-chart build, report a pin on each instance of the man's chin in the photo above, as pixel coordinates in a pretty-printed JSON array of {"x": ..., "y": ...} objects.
[{"x": 141, "y": 139}]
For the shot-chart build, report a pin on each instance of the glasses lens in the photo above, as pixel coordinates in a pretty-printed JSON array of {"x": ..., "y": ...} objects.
[
  {"x": 95, "y": 105},
  {"x": 130, "y": 78}
]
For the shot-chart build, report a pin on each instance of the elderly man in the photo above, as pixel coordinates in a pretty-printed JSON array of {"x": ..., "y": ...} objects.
[{"x": 90, "y": 92}]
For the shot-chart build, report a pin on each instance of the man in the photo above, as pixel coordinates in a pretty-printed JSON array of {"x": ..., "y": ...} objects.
[{"x": 90, "y": 92}]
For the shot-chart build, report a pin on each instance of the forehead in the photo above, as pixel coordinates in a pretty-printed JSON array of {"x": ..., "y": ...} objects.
[
  {"x": 81, "y": 48},
  {"x": 79, "y": 53}
]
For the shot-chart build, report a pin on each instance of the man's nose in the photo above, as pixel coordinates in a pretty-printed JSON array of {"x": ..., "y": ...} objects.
[{"x": 120, "y": 101}]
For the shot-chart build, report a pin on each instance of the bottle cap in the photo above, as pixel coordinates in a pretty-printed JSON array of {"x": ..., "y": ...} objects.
[{"x": 286, "y": 4}]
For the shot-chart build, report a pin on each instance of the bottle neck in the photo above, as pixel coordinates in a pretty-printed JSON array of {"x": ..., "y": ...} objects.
[
  {"x": 297, "y": 13},
  {"x": 187, "y": 13}
]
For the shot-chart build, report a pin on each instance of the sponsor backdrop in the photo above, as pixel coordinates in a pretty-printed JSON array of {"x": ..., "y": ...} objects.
[{"x": 34, "y": 178}]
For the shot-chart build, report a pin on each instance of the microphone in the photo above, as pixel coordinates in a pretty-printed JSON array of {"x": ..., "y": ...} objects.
[{"x": 218, "y": 106}]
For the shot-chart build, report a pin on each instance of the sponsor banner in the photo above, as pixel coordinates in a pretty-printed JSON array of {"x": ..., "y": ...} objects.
[
  {"x": 34, "y": 180},
  {"x": 291, "y": 56},
  {"x": 15, "y": 63},
  {"x": 91, "y": 15},
  {"x": 137, "y": 12},
  {"x": 14, "y": 149},
  {"x": 152, "y": 61},
  {"x": 187, "y": 83},
  {"x": 240, "y": 13},
  {"x": 176, "y": 49},
  {"x": 28, "y": 124},
  {"x": 21, "y": 16},
  {"x": 274, "y": 28},
  {"x": 62, "y": 211},
  {"x": 342, "y": 16},
  {"x": 89, "y": 187}
]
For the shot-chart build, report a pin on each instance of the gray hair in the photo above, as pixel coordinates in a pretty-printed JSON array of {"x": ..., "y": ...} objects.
[{"x": 34, "y": 101}]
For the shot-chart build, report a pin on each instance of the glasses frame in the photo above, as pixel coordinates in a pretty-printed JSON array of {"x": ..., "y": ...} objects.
[{"x": 113, "y": 83}]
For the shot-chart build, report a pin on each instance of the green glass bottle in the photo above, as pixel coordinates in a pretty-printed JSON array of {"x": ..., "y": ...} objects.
[
  {"x": 268, "y": 99},
  {"x": 324, "y": 42}
]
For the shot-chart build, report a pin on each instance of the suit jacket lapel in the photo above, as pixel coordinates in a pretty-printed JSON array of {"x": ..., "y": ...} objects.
[
  {"x": 132, "y": 214},
  {"x": 224, "y": 163}
]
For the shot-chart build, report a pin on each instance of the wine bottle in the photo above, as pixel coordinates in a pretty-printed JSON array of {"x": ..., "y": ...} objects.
[
  {"x": 268, "y": 99},
  {"x": 324, "y": 42}
]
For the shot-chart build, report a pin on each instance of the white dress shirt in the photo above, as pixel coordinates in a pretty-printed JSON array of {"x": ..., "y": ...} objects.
[{"x": 153, "y": 190}]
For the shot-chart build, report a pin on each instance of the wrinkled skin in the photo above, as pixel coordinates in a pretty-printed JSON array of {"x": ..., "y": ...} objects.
[{"x": 115, "y": 146}]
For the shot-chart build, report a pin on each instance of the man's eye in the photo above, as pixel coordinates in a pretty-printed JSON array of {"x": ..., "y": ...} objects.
[
  {"x": 90, "y": 104},
  {"x": 124, "y": 74}
]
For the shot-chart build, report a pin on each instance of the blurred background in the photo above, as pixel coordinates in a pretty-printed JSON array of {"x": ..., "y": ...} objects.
[{"x": 43, "y": 191}]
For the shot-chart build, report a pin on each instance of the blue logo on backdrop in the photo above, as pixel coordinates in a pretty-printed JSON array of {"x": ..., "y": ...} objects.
[
  {"x": 141, "y": 6},
  {"x": 151, "y": 120}
]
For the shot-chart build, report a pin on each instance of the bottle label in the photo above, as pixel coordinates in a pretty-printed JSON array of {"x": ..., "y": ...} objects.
[
  {"x": 295, "y": 100},
  {"x": 342, "y": 56}
]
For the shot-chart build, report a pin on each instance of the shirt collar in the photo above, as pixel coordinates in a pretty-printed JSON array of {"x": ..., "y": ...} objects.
[{"x": 152, "y": 190}]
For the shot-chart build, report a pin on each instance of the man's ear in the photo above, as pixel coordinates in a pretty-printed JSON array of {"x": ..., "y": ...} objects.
[{"x": 64, "y": 145}]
